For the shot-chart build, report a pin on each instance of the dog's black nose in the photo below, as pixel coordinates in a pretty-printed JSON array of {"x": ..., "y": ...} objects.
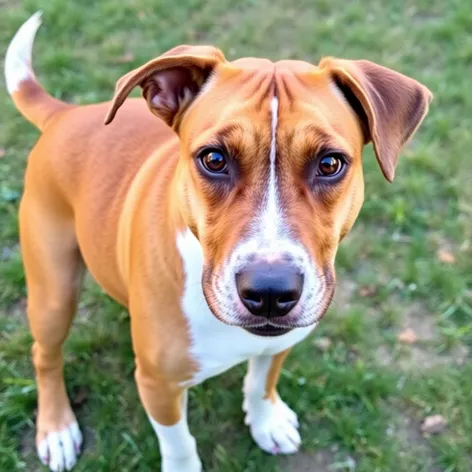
[{"x": 269, "y": 290}]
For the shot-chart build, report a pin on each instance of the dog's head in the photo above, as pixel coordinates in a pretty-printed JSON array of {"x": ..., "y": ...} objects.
[{"x": 271, "y": 167}]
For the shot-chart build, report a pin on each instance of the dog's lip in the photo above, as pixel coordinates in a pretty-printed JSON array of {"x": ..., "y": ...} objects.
[
  {"x": 297, "y": 318},
  {"x": 268, "y": 330}
]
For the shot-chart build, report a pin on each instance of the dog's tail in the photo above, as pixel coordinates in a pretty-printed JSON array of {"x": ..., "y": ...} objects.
[{"x": 34, "y": 103}]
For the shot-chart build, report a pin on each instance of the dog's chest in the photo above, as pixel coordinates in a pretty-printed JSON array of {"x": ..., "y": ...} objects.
[{"x": 216, "y": 346}]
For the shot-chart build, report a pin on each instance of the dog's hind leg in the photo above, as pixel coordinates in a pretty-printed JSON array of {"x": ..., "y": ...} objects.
[{"x": 53, "y": 268}]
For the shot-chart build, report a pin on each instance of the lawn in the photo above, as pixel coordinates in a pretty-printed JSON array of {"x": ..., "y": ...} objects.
[{"x": 394, "y": 347}]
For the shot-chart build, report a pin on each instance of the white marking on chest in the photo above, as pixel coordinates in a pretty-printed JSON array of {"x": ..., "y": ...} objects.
[{"x": 217, "y": 346}]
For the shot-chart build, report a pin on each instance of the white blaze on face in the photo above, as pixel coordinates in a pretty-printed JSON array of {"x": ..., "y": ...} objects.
[
  {"x": 271, "y": 214},
  {"x": 269, "y": 223},
  {"x": 269, "y": 240}
]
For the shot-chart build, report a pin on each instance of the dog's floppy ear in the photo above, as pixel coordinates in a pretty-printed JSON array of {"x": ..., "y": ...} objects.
[
  {"x": 170, "y": 82},
  {"x": 390, "y": 105}
]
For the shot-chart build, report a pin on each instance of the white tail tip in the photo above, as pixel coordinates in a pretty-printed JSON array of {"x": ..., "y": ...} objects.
[{"x": 18, "y": 58}]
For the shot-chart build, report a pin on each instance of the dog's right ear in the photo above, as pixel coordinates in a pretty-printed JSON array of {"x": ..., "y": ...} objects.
[
  {"x": 170, "y": 82},
  {"x": 390, "y": 105}
]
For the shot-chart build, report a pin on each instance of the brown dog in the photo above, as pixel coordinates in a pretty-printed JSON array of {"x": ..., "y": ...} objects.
[{"x": 217, "y": 225}]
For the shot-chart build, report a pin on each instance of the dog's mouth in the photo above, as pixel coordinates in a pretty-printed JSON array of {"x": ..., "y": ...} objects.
[
  {"x": 227, "y": 309},
  {"x": 268, "y": 330}
]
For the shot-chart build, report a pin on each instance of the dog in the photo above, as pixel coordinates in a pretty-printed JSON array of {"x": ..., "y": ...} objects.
[{"x": 216, "y": 224}]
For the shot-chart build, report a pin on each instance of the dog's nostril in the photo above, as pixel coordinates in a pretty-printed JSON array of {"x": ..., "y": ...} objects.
[
  {"x": 251, "y": 296},
  {"x": 288, "y": 298}
]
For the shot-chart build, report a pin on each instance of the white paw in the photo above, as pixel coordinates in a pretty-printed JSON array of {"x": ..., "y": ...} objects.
[
  {"x": 182, "y": 464},
  {"x": 274, "y": 426},
  {"x": 60, "y": 449}
]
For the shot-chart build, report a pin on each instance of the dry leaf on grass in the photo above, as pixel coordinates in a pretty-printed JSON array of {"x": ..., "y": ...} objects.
[
  {"x": 446, "y": 256},
  {"x": 2, "y": 152},
  {"x": 323, "y": 343},
  {"x": 433, "y": 424},
  {"x": 408, "y": 336},
  {"x": 368, "y": 291}
]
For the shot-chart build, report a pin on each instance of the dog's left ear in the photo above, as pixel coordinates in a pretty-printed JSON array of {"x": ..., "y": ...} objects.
[
  {"x": 390, "y": 105},
  {"x": 170, "y": 82}
]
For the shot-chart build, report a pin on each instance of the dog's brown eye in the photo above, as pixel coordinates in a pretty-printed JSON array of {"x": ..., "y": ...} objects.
[
  {"x": 330, "y": 165},
  {"x": 214, "y": 162}
]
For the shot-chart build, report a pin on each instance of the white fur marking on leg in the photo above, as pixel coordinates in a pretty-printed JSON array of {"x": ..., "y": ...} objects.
[
  {"x": 178, "y": 447},
  {"x": 60, "y": 449},
  {"x": 255, "y": 380},
  {"x": 18, "y": 57},
  {"x": 68, "y": 449},
  {"x": 274, "y": 426},
  {"x": 76, "y": 436},
  {"x": 43, "y": 452},
  {"x": 56, "y": 455}
]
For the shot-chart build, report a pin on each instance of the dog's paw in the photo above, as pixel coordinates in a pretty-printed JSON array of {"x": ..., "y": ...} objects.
[
  {"x": 59, "y": 450},
  {"x": 273, "y": 426}
]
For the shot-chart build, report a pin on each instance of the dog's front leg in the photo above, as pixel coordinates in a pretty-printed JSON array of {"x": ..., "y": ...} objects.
[
  {"x": 166, "y": 406},
  {"x": 273, "y": 425}
]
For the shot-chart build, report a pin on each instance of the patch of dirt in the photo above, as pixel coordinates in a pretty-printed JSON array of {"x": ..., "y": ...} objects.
[
  {"x": 417, "y": 357},
  {"x": 423, "y": 353},
  {"x": 408, "y": 431},
  {"x": 320, "y": 461},
  {"x": 384, "y": 355},
  {"x": 417, "y": 318},
  {"x": 426, "y": 358}
]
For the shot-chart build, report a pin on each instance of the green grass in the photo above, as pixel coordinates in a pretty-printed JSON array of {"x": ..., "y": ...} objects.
[{"x": 362, "y": 400}]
